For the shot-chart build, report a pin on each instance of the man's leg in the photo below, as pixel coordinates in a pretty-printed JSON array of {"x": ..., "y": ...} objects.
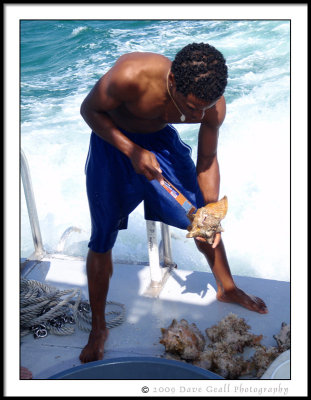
[
  {"x": 99, "y": 271},
  {"x": 226, "y": 288}
]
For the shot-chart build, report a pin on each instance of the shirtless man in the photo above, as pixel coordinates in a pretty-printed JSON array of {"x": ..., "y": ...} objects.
[{"x": 133, "y": 146}]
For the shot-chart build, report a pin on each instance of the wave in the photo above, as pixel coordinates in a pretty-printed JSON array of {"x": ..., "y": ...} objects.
[{"x": 78, "y": 30}]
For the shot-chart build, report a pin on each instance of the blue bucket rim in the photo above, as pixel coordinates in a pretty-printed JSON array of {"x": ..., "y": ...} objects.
[{"x": 124, "y": 360}]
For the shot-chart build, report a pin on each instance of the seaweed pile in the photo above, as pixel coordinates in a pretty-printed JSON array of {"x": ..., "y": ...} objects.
[{"x": 227, "y": 342}]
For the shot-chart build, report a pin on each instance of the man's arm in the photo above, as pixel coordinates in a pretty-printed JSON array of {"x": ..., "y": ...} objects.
[
  {"x": 207, "y": 163},
  {"x": 115, "y": 88}
]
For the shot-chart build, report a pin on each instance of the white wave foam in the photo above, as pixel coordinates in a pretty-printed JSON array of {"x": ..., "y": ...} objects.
[{"x": 77, "y": 30}]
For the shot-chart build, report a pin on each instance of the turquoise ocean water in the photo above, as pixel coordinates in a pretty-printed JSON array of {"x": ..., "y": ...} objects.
[{"x": 60, "y": 61}]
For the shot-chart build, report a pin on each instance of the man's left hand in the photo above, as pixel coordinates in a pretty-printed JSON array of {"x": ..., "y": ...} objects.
[{"x": 216, "y": 240}]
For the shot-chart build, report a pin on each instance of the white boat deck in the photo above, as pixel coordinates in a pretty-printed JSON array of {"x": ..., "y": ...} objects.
[{"x": 186, "y": 295}]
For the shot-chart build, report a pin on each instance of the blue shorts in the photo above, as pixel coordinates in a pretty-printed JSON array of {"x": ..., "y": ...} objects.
[{"x": 114, "y": 189}]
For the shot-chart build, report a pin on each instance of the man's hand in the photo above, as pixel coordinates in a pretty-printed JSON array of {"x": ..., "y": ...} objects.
[
  {"x": 216, "y": 240},
  {"x": 145, "y": 163}
]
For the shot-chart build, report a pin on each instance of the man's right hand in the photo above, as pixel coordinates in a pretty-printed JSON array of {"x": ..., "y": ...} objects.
[{"x": 145, "y": 163}]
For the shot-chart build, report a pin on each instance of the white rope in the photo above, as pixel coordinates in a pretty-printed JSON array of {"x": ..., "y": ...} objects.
[{"x": 45, "y": 308}]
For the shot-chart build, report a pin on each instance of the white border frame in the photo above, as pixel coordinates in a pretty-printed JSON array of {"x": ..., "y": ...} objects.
[{"x": 297, "y": 386}]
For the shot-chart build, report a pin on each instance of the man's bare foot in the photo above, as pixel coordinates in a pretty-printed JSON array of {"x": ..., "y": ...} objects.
[
  {"x": 25, "y": 373},
  {"x": 94, "y": 350},
  {"x": 250, "y": 302}
]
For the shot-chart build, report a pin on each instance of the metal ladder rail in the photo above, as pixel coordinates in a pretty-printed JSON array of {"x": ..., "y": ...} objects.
[
  {"x": 31, "y": 207},
  {"x": 158, "y": 274}
]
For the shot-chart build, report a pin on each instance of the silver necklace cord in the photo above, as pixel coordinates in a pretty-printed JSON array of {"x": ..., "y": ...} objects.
[{"x": 182, "y": 117}]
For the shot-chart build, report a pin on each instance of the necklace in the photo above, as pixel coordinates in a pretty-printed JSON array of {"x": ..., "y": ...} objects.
[{"x": 182, "y": 117}]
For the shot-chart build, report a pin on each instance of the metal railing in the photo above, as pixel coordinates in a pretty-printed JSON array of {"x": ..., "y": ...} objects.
[
  {"x": 31, "y": 207},
  {"x": 157, "y": 272}
]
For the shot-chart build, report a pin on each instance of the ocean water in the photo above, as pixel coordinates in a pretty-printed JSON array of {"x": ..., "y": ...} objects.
[{"x": 60, "y": 61}]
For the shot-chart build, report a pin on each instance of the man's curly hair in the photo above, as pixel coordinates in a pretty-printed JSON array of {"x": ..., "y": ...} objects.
[{"x": 201, "y": 70}]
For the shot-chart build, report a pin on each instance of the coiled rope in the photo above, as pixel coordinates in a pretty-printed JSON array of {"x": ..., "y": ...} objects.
[{"x": 44, "y": 309}]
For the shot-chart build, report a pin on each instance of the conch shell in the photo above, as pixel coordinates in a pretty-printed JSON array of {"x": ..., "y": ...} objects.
[
  {"x": 205, "y": 222},
  {"x": 183, "y": 339}
]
